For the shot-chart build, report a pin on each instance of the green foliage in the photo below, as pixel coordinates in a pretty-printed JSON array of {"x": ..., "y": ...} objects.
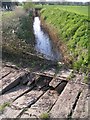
[
  {"x": 86, "y": 79},
  {"x": 4, "y": 105},
  {"x": 44, "y": 116},
  {"x": 25, "y": 29},
  {"x": 28, "y": 5},
  {"x": 72, "y": 27}
]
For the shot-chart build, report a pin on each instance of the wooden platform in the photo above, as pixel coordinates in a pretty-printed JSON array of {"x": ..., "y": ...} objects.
[{"x": 29, "y": 95}]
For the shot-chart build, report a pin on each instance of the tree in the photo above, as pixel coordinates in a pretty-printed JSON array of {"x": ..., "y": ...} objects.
[{"x": 28, "y": 4}]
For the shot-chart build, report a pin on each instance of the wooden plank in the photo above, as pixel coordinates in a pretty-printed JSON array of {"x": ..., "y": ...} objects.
[
  {"x": 27, "y": 99},
  {"x": 10, "y": 112},
  {"x": 81, "y": 110},
  {"x": 64, "y": 74},
  {"x": 4, "y": 72},
  {"x": 49, "y": 72},
  {"x": 44, "y": 104},
  {"x": 13, "y": 93},
  {"x": 12, "y": 80},
  {"x": 44, "y": 74},
  {"x": 65, "y": 102},
  {"x": 5, "y": 81},
  {"x": 55, "y": 82}
]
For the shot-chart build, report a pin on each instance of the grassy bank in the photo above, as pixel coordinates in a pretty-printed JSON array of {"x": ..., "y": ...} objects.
[{"x": 72, "y": 31}]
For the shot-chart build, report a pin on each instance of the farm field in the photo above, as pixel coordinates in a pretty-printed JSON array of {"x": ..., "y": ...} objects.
[{"x": 82, "y": 10}]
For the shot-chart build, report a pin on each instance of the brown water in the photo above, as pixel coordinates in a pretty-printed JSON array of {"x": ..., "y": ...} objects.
[{"x": 44, "y": 44}]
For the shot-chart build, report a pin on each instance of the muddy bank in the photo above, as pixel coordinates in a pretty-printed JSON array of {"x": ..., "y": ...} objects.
[{"x": 53, "y": 33}]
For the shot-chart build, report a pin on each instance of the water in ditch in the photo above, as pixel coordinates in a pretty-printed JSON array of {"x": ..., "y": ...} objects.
[{"x": 44, "y": 44}]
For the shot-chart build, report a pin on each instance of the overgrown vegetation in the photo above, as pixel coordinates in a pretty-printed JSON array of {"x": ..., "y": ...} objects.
[
  {"x": 28, "y": 5},
  {"x": 73, "y": 30},
  {"x": 18, "y": 40}
]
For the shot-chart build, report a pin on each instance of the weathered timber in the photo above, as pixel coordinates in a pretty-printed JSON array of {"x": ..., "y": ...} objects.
[
  {"x": 12, "y": 80},
  {"x": 65, "y": 102},
  {"x": 9, "y": 65},
  {"x": 43, "y": 105},
  {"x": 5, "y": 81},
  {"x": 44, "y": 74},
  {"x": 13, "y": 94},
  {"x": 64, "y": 74},
  {"x": 82, "y": 107},
  {"x": 27, "y": 99},
  {"x": 10, "y": 112},
  {"x": 55, "y": 82},
  {"x": 32, "y": 96},
  {"x": 49, "y": 72},
  {"x": 4, "y": 72}
]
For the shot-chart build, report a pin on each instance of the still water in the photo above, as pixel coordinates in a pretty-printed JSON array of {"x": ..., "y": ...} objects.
[{"x": 44, "y": 44}]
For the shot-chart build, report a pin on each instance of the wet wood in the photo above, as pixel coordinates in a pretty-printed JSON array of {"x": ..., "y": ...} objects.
[
  {"x": 65, "y": 102},
  {"x": 44, "y": 104}
]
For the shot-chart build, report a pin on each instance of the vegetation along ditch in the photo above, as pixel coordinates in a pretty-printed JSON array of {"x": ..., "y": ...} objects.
[
  {"x": 69, "y": 29},
  {"x": 19, "y": 40}
]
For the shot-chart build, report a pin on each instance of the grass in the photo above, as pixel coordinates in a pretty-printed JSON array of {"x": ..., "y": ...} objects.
[
  {"x": 72, "y": 30},
  {"x": 81, "y": 10},
  {"x": 3, "y": 106},
  {"x": 44, "y": 116}
]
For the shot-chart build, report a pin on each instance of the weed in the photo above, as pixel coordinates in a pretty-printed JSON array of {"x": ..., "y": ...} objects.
[
  {"x": 44, "y": 116},
  {"x": 3, "y": 106}
]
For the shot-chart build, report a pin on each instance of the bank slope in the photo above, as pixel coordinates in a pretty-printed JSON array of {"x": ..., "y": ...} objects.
[{"x": 73, "y": 30}]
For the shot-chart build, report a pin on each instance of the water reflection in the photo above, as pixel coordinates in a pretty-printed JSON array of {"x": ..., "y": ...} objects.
[{"x": 43, "y": 43}]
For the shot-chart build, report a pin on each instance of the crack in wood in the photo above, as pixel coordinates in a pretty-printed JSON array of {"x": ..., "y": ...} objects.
[{"x": 73, "y": 107}]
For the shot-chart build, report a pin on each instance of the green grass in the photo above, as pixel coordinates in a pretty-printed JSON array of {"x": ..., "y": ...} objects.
[
  {"x": 3, "y": 106},
  {"x": 72, "y": 30},
  {"x": 81, "y": 10},
  {"x": 44, "y": 116}
]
